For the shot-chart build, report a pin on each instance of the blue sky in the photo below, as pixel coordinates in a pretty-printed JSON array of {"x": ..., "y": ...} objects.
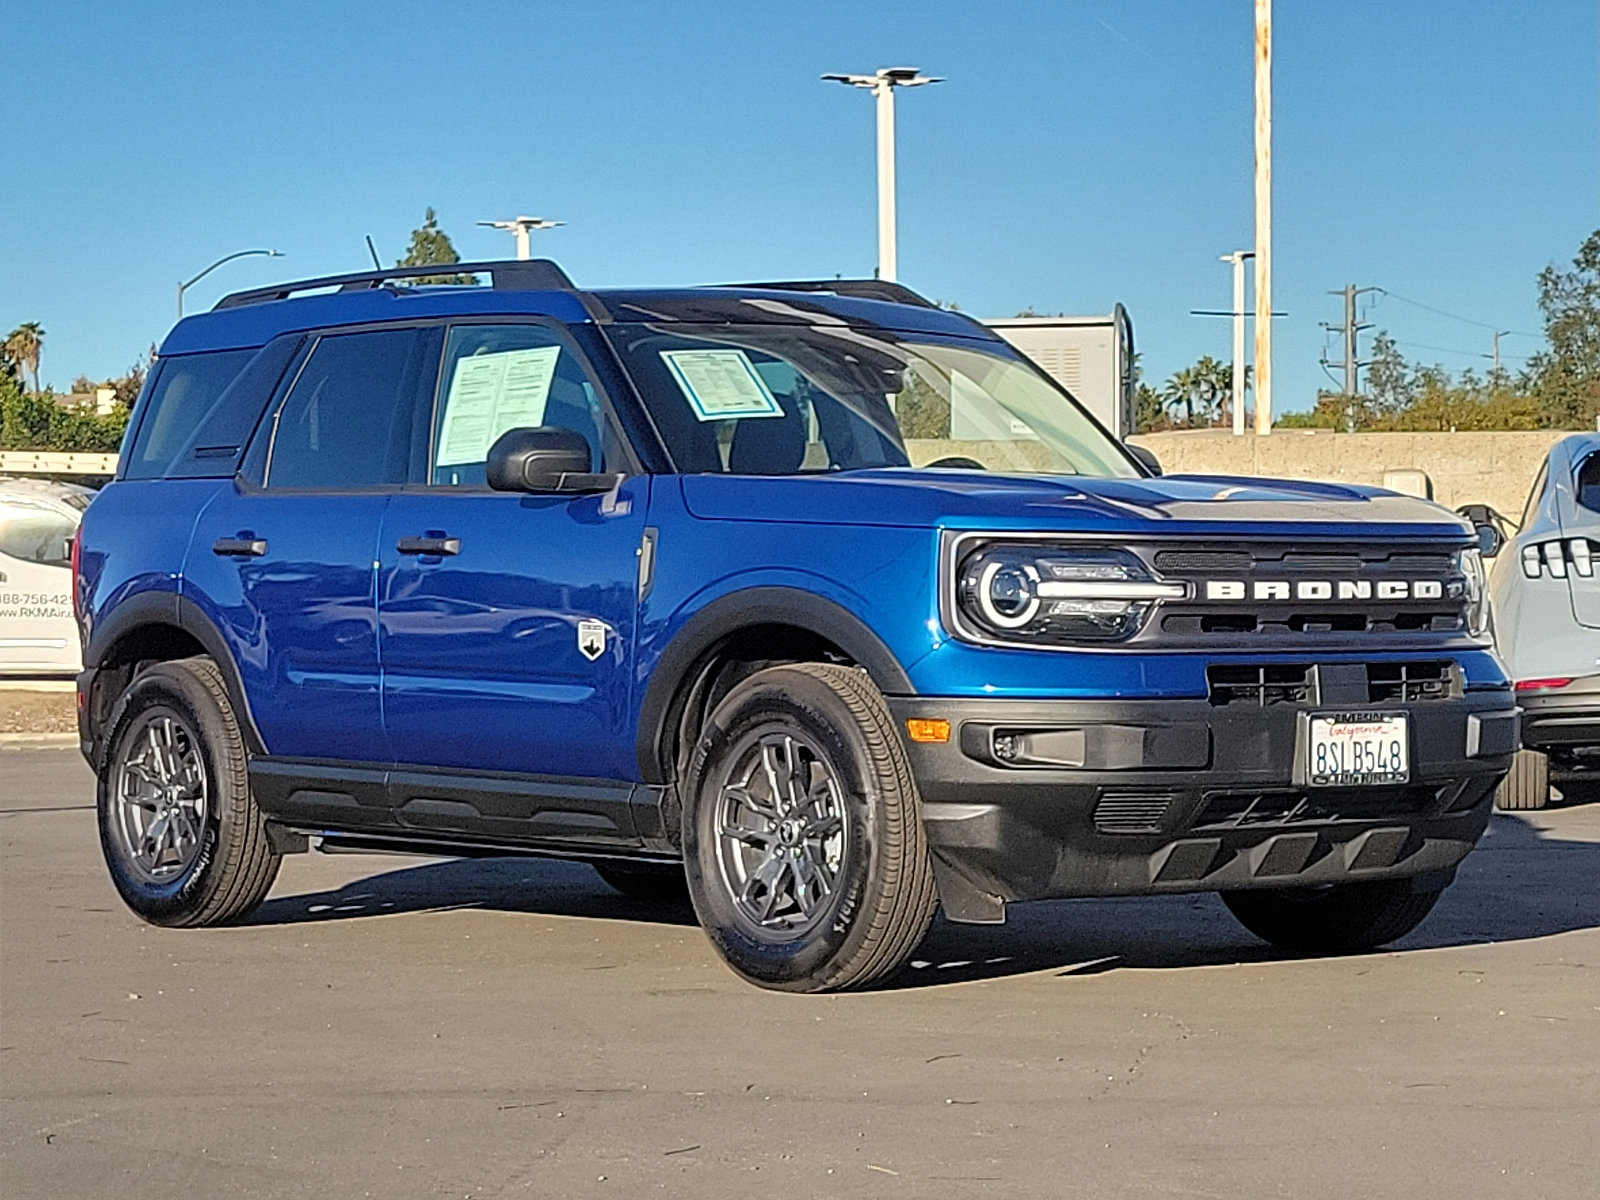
[{"x": 1080, "y": 154}]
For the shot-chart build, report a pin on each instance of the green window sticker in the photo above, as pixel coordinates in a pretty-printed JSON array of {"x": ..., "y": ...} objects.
[{"x": 721, "y": 385}]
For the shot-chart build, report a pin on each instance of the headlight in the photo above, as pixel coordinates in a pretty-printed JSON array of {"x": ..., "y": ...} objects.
[
  {"x": 1470, "y": 564},
  {"x": 1058, "y": 595}
]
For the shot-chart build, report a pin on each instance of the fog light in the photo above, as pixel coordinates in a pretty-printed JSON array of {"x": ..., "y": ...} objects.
[{"x": 928, "y": 729}]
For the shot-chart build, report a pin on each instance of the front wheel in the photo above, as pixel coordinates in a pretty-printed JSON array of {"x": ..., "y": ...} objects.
[
  {"x": 1344, "y": 918},
  {"x": 803, "y": 838},
  {"x": 182, "y": 837}
]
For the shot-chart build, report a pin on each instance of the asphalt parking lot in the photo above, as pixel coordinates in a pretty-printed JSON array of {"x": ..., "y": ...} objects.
[{"x": 404, "y": 1027}]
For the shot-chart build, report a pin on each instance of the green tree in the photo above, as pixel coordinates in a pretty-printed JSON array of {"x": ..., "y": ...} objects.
[
  {"x": 34, "y": 421},
  {"x": 23, "y": 346},
  {"x": 1200, "y": 389},
  {"x": 430, "y": 245},
  {"x": 1565, "y": 378}
]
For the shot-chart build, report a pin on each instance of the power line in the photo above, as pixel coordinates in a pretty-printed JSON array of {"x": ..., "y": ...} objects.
[
  {"x": 1452, "y": 316},
  {"x": 1454, "y": 350}
]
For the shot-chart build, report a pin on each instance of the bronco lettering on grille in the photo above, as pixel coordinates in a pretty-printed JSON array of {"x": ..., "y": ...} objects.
[{"x": 1324, "y": 589}]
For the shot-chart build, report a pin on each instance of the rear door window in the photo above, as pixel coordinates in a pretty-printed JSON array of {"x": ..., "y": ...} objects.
[
  {"x": 346, "y": 422},
  {"x": 184, "y": 391}
]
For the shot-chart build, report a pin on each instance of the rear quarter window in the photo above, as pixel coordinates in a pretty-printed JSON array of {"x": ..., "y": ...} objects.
[{"x": 184, "y": 391}]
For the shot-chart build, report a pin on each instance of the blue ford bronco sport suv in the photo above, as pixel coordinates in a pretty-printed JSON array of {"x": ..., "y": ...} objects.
[{"x": 812, "y": 596}]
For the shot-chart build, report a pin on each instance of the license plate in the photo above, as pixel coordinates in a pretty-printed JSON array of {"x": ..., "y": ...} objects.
[{"x": 1358, "y": 750}]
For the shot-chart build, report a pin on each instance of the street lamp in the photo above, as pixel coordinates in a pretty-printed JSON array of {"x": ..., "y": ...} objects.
[
  {"x": 183, "y": 287},
  {"x": 520, "y": 227},
  {"x": 883, "y": 84}
]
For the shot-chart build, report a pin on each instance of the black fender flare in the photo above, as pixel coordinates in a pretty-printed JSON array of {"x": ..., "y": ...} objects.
[
  {"x": 169, "y": 609},
  {"x": 741, "y": 610}
]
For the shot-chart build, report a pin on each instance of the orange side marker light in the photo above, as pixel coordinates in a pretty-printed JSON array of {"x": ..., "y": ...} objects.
[{"x": 927, "y": 729}]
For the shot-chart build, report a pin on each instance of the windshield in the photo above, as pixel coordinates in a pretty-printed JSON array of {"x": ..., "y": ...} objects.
[{"x": 786, "y": 399}]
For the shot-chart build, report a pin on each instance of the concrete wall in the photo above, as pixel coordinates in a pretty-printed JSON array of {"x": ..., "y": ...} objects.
[{"x": 1489, "y": 468}]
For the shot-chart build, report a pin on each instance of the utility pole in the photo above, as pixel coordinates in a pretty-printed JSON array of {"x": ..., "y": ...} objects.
[
  {"x": 520, "y": 228},
  {"x": 1497, "y": 335},
  {"x": 882, "y": 85},
  {"x": 1263, "y": 356},
  {"x": 1237, "y": 259},
  {"x": 1351, "y": 364},
  {"x": 1349, "y": 330}
]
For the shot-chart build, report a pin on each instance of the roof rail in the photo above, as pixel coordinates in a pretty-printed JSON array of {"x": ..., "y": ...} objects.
[
  {"x": 514, "y": 275},
  {"x": 861, "y": 289}
]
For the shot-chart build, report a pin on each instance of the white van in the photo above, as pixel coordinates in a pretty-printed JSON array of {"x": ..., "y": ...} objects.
[{"x": 37, "y": 521}]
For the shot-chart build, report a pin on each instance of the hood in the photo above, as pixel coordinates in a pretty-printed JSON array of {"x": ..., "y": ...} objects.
[{"x": 1214, "y": 505}]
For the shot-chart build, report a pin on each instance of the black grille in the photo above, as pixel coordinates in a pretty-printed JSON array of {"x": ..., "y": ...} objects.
[
  {"x": 1309, "y": 593},
  {"x": 1296, "y": 683},
  {"x": 1260, "y": 685},
  {"x": 1199, "y": 562},
  {"x": 1232, "y": 810},
  {"x": 1131, "y": 813},
  {"x": 1409, "y": 682}
]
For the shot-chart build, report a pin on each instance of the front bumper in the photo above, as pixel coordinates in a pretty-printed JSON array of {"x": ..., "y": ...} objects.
[{"x": 1036, "y": 799}]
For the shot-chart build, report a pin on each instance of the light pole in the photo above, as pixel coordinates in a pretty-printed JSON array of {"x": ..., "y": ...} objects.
[
  {"x": 1263, "y": 356},
  {"x": 1237, "y": 258},
  {"x": 520, "y": 228},
  {"x": 883, "y": 84},
  {"x": 183, "y": 287}
]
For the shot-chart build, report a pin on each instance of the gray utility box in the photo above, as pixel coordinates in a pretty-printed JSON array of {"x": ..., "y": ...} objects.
[{"x": 1092, "y": 357}]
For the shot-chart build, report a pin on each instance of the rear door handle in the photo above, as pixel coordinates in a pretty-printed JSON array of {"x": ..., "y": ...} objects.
[
  {"x": 239, "y": 547},
  {"x": 429, "y": 547}
]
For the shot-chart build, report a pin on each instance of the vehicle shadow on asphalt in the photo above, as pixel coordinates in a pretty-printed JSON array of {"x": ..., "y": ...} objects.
[{"x": 1518, "y": 885}]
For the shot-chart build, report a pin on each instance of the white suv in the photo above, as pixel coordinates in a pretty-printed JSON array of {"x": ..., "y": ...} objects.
[
  {"x": 37, "y": 522},
  {"x": 1544, "y": 596}
]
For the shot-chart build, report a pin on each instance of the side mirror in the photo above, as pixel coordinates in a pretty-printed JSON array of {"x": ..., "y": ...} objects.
[
  {"x": 545, "y": 458},
  {"x": 1144, "y": 457},
  {"x": 1489, "y": 526}
]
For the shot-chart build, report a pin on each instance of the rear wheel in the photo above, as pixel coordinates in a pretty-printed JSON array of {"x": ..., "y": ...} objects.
[
  {"x": 1343, "y": 918},
  {"x": 1527, "y": 785},
  {"x": 803, "y": 838},
  {"x": 182, "y": 837}
]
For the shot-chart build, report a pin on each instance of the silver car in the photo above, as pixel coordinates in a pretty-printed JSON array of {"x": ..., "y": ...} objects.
[{"x": 1544, "y": 595}]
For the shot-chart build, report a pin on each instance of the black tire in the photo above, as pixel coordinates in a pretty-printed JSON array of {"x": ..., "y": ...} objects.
[
  {"x": 1344, "y": 918},
  {"x": 232, "y": 864},
  {"x": 646, "y": 881},
  {"x": 826, "y": 729},
  {"x": 1527, "y": 785}
]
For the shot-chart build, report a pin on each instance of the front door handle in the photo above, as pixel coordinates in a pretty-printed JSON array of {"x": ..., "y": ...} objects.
[
  {"x": 429, "y": 547},
  {"x": 243, "y": 546}
]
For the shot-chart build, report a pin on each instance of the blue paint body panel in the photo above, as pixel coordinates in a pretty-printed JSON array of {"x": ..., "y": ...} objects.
[
  {"x": 482, "y": 667},
  {"x": 301, "y": 620}
]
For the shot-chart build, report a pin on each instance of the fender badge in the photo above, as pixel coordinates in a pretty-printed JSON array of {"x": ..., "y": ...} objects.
[{"x": 591, "y": 639}]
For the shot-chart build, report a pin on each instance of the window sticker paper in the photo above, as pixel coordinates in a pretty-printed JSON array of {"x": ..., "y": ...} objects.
[
  {"x": 491, "y": 393},
  {"x": 721, "y": 385}
]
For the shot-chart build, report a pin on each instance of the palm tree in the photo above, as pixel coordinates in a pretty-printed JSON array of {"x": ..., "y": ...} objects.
[
  {"x": 1201, "y": 387},
  {"x": 22, "y": 346}
]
